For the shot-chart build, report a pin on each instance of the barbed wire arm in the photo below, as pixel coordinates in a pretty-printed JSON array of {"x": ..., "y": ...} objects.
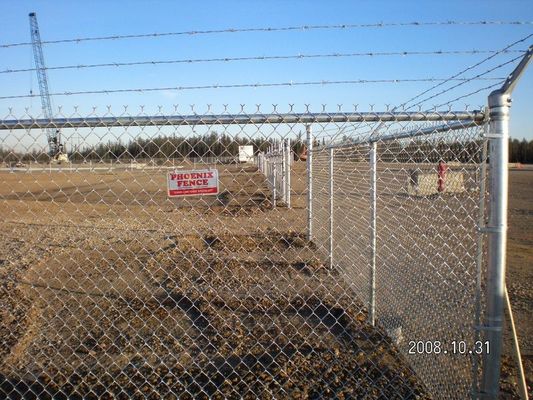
[{"x": 511, "y": 81}]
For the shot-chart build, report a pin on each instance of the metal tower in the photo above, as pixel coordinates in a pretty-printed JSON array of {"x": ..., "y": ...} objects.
[{"x": 53, "y": 135}]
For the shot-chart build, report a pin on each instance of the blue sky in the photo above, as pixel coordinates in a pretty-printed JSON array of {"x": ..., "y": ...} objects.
[{"x": 73, "y": 19}]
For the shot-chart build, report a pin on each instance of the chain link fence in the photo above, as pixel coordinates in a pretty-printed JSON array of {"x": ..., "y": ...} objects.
[
  {"x": 399, "y": 219},
  {"x": 113, "y": 286},
  {"x": 275, "y": 164}
]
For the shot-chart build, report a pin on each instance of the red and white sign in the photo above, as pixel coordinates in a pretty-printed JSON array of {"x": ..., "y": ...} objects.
[{"x": 192, "y": 183}]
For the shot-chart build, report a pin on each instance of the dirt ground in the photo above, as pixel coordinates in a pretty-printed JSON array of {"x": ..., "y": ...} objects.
[
  {"x": 108, "y": 288},
  {"x": 520, "y": 274}
]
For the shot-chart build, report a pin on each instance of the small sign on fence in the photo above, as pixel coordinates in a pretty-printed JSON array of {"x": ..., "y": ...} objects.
[{"x": 192, "y": 183}]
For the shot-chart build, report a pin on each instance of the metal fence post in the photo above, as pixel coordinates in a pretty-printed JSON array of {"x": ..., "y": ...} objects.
[
  {"x": 288, "y": 172},
  {"x": 270, "y": 169},
  {"x": 309, "y": 183},
  {"x": 331, "y": 156},
  {"x": 373, "y": 198},
  {"x": 283, "y": 172},
  {"x": 497, "y": 235},
  {"x": 274, "y": 183},
  {"x": 499, "y": 106}
]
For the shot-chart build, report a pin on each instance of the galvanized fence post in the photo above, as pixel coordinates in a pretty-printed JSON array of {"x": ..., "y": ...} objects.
[
  {"x": 288, "y": 172},
  {"x": 271, "y": 170},
  {"x": 499, "y": 104},
  {"x": 267, "y": 167},
  {"x": 274, "y": 183},
  {"x": 331, "y": 175},
  {"x": 499, "y": 107},
  {"x": 373, "y": 199},
  {"x": 283, "y": 172},
  {"x": 309, "y": 182}
]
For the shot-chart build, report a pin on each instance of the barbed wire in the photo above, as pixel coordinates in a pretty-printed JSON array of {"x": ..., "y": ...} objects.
[
  {"x": 462, "y": 82},
  {"x": 466, "y": 81},
  {"x": 263, "y": 58},
  {"x": 468, "y": 95},
  {"x": 452, "y": 78},
  {"x": 244, "y": 85},
  {"x": 276, "y": 29},
  {"x": 506, "y": 48}
]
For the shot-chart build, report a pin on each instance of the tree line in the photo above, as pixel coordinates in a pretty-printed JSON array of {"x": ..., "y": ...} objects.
[
  {"x": 521, "y": 151},
  {"x": 224, "y": 145}
]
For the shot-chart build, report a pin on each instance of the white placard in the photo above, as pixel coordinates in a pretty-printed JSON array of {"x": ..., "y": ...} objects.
[{"x": 192, "y": 183}]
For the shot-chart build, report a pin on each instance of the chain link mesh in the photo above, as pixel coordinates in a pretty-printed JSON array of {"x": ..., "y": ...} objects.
[
  {"x": 428, "y": 248},
  {"x": 110, "y": 288}
]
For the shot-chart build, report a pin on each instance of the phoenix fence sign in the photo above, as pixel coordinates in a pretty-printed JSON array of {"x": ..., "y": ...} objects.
[{"x": 192, "y": 183}]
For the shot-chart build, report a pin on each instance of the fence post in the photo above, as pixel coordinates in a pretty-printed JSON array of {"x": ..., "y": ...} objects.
[
  {"x": 269, "y": 169},
  {"x": 274, "y": 183},
  {"x": 331, "y": 156},
  {"x": 283, "y": 172},
  {"x": 496, "y": 229},
  {"x": 288, "y": 172},
  {"x": 309, "y": 183},
  {"x": 373, "y": 198},
  {"x": 499, "y": 106}
]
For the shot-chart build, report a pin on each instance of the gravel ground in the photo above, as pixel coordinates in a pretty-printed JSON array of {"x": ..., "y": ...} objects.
[
  {"x": 105, "y": 293},
  {"x": 111, "y": 290},
  {"x": 519, "y": 277}
]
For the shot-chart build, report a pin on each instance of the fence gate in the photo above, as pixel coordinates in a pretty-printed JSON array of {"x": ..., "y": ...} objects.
[{"x": 314, "y": 278}]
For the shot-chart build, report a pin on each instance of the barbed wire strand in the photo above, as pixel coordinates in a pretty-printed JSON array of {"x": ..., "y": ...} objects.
[
  {"x": 466, "y": 81},
  {"x": 262, "y": 58},
  {"x": 469, "y": 94},
  {"x": 467, "y": 69},
  {"x": 354, "y": 129},
  {"x": 277, "y": 29},
  {"x": 453, "y": 77},
  {"x": 242, "y": 85}
]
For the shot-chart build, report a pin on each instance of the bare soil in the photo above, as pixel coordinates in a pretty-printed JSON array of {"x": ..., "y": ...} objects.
[
  {"x": 520, "y": 277},
  {"x": 111, "y": 290}
]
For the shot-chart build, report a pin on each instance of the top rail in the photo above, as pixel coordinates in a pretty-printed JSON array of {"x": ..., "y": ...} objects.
[{"x": 241, "y": 119}]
